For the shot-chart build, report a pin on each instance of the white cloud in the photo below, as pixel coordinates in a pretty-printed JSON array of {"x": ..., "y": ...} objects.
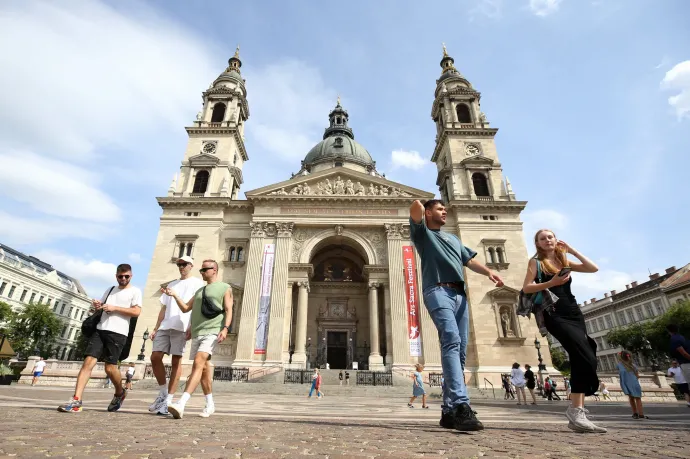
[
  {"x": 408, "y": 159},
  {"x": 290, "y": 106},
  {"x": 593, "y": 285},
  {"x": 491, "y": 9},
  {"x": 534, "y": 220},
  {"x": 21, "y": 231},
  {"x": 544, "y": 7},
  {"x": 94, "y": 275},
  {"x": 55, "y": 187},
  {"x": 678, "y": 78},
  {"x": 134, "y": 257}
]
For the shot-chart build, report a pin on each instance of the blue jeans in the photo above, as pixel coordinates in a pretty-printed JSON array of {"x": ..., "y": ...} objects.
[
  {"x": 313, "y": 387},
  {"x": 448, "y": 309}
]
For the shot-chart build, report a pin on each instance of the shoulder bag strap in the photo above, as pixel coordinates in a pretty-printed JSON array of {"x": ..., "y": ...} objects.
[
  {"x": 108, "y": 295},
  {"x": 538, "y": 270}
]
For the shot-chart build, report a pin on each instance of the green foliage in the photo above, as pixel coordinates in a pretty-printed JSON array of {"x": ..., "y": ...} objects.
[
  {"x": 634, "y": 337},
  {"x": 35, "y": 327},
  {"x": 5, "y": 314},
  {"x": 82, "y": 342},
  {"x": 5, "y": 370},
  {"x": 560, "y": 360}
]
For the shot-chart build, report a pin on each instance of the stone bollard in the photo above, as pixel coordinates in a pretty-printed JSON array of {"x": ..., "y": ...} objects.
[{"x": 660, "y": 380}]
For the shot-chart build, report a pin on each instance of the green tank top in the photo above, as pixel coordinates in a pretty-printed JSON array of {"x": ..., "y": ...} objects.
[{"x": 201, "y": 325}]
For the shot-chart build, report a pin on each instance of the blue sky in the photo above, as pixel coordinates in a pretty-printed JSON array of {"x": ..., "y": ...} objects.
[{"x": 591, "y": 98}]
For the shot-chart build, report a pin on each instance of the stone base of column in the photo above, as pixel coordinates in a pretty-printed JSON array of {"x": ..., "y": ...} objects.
[
  {"x": 299, "y": 358},
  {"x": 247, "y": 363},
  {"x": 376, "y": 362}
]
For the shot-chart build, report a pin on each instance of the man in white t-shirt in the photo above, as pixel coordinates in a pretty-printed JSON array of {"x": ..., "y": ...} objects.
[
  {"x": 170, "y": 334},
  {"x": 677, "y": 373},
  {"x": 38, "y": 370},
  {"x": 118, "y": 305}
]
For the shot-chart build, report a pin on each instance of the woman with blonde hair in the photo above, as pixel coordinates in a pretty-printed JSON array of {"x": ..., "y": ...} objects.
[
  {"x": 418, "y": 386},
  {"x": 550, "y": 269},
  {"x": 630, "y": 383}
]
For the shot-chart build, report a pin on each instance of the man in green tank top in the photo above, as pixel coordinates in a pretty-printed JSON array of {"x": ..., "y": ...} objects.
[{"x": 211, "y": 309}]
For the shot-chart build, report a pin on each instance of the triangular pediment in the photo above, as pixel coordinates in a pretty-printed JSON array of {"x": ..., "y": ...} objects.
[
  {"x": 204, "y": 159},
  {"x": 503, "y": 292},
  {"x": 339, "y": 182},
  {"x": 477, "y": 160}
]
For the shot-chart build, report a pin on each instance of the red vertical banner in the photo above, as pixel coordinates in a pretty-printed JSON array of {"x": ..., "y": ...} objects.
[{"x": 412, "y": 299}]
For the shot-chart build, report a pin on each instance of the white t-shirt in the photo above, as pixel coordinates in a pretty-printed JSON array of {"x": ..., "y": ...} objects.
[
  {"x": 126, "y": 298},
  {"x": 174, "y": 318},
  {"x": 130, "y": 371},
  {"x": 517, "y": 376},
  {"x": 677, "y": 375},
  {"x": 41, "y": 364}
]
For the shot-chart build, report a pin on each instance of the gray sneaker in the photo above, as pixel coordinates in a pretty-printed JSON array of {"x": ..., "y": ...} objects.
[{"x": 580, "y": 423}]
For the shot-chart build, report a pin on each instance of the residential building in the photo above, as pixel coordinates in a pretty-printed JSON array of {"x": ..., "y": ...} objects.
[{"x": 25, "y": 279}]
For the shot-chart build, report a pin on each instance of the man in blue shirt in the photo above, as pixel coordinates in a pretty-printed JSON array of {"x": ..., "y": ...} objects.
[{"x": 443, "y": 257}]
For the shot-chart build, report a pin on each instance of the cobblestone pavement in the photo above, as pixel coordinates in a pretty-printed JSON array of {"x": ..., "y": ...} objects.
[{"x": 291, "y": 426}]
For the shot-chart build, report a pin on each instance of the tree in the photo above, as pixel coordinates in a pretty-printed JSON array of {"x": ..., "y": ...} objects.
[
  {"x": 560, "y": 360},
  {"x": 632, "y": 338},
  {"x": 6, "y": 314},
  {"x": 34, "y": 327}
]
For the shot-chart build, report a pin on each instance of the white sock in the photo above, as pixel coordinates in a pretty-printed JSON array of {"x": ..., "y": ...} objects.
[
  {"x": 184, "y": 398},
  {"x": 209, "y": 400},
  {"x": 163, "y": 390},
  {"x": 169, "y": 398}
]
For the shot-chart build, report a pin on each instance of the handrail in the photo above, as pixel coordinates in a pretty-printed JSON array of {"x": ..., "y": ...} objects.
[{"x": 493, "y": 391}]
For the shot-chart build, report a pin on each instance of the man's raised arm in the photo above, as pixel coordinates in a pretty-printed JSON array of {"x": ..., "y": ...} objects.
[{"x": 417, "y": 212}]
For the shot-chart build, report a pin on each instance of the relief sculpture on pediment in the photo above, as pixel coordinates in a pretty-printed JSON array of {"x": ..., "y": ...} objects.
[{"x": 340, "y": 187}]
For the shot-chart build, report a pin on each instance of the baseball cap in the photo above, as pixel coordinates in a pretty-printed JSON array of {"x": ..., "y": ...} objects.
[{"x": 187, "y": 259}]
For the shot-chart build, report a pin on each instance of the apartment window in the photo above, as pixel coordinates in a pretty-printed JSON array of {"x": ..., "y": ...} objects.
[
  {"x": 40, "y": 300},
  {"x": 2, "y": 287},
  {"x": 49, "y": 300},
  {"x": 21, "y": 298},
  {"x": 71, "y": 333},
  {"x": 600, "y": 322},
  {"x": 604, "y": 344},
  {"x": 621, "y": 318},
  {"x": 33, "y": 297},
  {"x": 64, "y": 331},
  {"x": 62, "y": 309},
  {"x": 594, "y": 326},
  {"x": 600, "y": 344},
  {"x": 589, "y": 327},
  {"x": 638, "y": 313},
  {"x": 609, "y": 321},
  {"x": 69, "y": 314},
  {"x": 82, "y": 315},
  {"x": 629, "y": 314},
  {"x": 657, "y": 306},
  {"x": 648, "y": 309},
  {"x": 12, "y": 289},
  {"x": 55, "y": 306}
]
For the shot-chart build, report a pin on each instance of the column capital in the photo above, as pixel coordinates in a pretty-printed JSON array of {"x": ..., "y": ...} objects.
[
  {"x": 374, "y": 285},
  {"x": 259, "y": 229},
  {"x": 304, "y": 284},
  {"x": 393, "y": 230},
  {"x": 284, "y": 229}
]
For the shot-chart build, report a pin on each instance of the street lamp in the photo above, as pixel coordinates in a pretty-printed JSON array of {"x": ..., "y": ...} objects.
[
  {"x": 308, "y": 352},
  {"x": 37, "y": 351},
  {"x": 141, "y": 355},
  {"x": 650, "y": 353},
  {"x": 537, "y": 345}
]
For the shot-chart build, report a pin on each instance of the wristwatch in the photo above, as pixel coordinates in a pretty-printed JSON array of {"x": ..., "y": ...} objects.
[{"x": 226, "y": 327}]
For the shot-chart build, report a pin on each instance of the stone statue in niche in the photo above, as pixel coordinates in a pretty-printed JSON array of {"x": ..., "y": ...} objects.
[
  {"x": 349, "y": 188},
  {"x": 198, "y": 116},
  {"x": 339, "y": 186},
  {"x": 359, "y": 189},
  {"x": 327, "y": 187},
  {"x": 506, "y": 324}
]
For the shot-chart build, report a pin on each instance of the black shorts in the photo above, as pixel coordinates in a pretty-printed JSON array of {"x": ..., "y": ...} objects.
[
  {"x": 683, "y": 388},
  {"x": 129, "y": 378},
  {"x": 106, "y": 344}
]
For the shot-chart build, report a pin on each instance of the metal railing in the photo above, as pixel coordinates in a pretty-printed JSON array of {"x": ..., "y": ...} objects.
[
  {"x": 435, "y": 379},
  {"x": 485, "y": 198},
  {"x": 148, "y": 372},
  {"x": 493, "y": 391},
  {"x": 374, "y": 378},
  {"x": 230, "y": 374},
  {"x": 298, "y": 376}
]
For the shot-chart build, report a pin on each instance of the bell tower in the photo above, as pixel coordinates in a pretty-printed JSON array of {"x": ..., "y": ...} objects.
[
  {"x": 212, "y": 165},
  {"x": 484, "y": 213}
]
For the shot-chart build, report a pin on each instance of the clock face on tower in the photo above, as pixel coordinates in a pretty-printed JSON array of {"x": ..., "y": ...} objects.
[
  {"x": 472, "y": 150},
  {"x": 209, "y": 148}
]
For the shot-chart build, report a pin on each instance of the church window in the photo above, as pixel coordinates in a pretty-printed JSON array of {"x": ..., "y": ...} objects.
[
  {"x": 499, "y": 254},
  {"x": 235, "y": 251},
  {"x": 218, "y": 113},
  {"x": 231, "y": 257},
  {"x": 64, "y": 351},
  {"x": 201, "y": 182},
  {"x": 463, "y": 112},
  {"x": 185, "y": 249},
  {"x": 338, "y": 164},
  {"x": 184, "y": 246},
  {"x": 481, "y": 185},
  {"x": 240, "y": 254},
  {"x": 492, "y": 255}
]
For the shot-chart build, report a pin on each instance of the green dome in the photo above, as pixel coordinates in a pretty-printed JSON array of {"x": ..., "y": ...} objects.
[{"x": 339, "y": 147}]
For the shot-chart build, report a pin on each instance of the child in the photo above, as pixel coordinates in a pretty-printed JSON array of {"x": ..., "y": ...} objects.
[
  {"x": 630, "y": 384},
  {"x": 418, "y": 386},
  {"x": 517, "y": 376}
]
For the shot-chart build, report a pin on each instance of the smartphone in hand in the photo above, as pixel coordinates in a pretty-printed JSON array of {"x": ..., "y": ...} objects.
[{"x": 565, "y": 271}]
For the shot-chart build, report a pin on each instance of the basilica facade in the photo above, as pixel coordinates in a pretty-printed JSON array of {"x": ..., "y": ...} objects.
[{"x": 321, "y": 264}]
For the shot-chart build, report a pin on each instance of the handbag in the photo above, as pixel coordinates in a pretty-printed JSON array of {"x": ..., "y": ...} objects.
[
  {"x": 208, "y": 309},
  {"x": 90, "y": 324}
]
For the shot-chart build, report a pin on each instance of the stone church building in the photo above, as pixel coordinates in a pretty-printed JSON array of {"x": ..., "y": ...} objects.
[{"x": 321, "y": 264}]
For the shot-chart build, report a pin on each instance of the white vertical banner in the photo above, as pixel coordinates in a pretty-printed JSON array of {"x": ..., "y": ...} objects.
[{"x": 265, "y": 299}]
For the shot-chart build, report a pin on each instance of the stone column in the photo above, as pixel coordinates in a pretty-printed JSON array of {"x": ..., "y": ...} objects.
[
  {"x": 389, "y": 329},
  {"x": 400, "y": 350},
  {"x": 274, "y": 347},
  {"x": 470, "y": 185},
  {"x": 300, "y": 355},
  {"x": 287, "y": 322},
  {"x": 250, "y": 299},
  {"x": 375, "y": 359}
]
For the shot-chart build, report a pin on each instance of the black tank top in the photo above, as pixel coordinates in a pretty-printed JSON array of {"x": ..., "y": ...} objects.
[{"x": 567, "y": 304}]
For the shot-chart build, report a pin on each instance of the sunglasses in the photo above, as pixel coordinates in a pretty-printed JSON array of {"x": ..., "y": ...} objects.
[
  {"x": 203, "y": 270},
  {"x": 123, "y": 276},
  {"x": 182, "y": 265}
]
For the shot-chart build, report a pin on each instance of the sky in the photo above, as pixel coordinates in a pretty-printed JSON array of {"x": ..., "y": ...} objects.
[{"x": 591, "y": 99}]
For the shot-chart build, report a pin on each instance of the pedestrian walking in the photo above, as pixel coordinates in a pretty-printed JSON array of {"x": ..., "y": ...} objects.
[
  {"x": 517, "y": 377},
  {"x": 418, "y": 386},
  {"x": 566, "y": 381},
  {"x": 39, "y": 366},
  {"x": 319, "y": 393},
  {"x": 340, "y": 377},
  {"x": 129, "y": 375},
  {"x": 314, "y": 375},
  {"x": 211, "y": 317},
  {"x": 117, "y": 306},
  {"x": 680, "y": 350},
  {"x": 604, "y": 391},
  {"x": 443, "y": 258},
  {"x": 347, "y": 378},
  {"x": 550, "y": 269},
  {"x": 676, "y": 373},
  {"x": 630, "y": 383},
  {"x": 530, "y": 382},
  {"x": 171, "y": 333}
]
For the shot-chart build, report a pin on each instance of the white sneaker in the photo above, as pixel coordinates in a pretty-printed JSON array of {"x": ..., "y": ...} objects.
[
  {"x": 176, "y": 410},
  {"x": 208, "y": 411},
  {"x": 158, "y": 403},
  {"x": 163, "y": 411},
  {"x": 580, "y": 423}
]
